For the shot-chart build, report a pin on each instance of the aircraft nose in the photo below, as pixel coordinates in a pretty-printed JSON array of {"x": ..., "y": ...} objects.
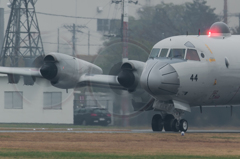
[{"x": 160, "y": 79}]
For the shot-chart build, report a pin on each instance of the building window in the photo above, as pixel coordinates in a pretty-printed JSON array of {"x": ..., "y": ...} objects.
[
  {"x": 103, "y": 25},
  {"x": 115, "y": 25},
  {"x": 109, "y": 25},
  {"x": 13, "y": 100},
  {"x": 52, "y": 100}
]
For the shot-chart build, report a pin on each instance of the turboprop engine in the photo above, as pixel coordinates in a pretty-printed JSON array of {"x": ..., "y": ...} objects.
[
  {"x": 130, "y": 74},
  {"x": 64, "y": 71},
  {"x": 129, "y": 77}
]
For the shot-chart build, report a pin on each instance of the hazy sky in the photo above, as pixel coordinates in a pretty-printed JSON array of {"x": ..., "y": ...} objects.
[{"x": 68, "y": 7}]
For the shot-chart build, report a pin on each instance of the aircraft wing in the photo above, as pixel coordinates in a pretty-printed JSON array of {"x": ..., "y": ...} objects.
[
  {"x": 24, "y": 71},
  {"x": 98, "y": 80}
]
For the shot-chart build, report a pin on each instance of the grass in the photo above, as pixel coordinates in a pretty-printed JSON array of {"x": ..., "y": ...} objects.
[
  {"x": 115, "y": 145},
  {"x": 221, "y": 137},
  {"x": 73, "y": 155}
]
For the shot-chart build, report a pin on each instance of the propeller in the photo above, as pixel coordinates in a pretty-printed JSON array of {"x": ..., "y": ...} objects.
[{"x": 128, "y": 75}]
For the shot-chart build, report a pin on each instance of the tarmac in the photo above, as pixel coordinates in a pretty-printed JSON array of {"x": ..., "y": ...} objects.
[{"x": 71, "y": 130}]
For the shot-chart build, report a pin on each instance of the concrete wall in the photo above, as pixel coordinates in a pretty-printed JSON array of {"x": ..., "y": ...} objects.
[{"x": 33, "y": 111}]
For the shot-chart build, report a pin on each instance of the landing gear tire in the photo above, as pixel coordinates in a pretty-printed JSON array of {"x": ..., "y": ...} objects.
[
  {"x": 157, "y": 122},
  {"x": 168, "y": 122},
  {"x": 175, "y": 125},
  {"x": 183, "y": 126}
]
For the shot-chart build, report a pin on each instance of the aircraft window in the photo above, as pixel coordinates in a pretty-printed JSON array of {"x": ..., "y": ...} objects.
[
  {"x": 177, "y": 53},
  {"x": 192, "y": 55},
  {"x": 189, "y": 44},
  {"x": 154, "y": 53},
  {"x": 163, "y": 52}
]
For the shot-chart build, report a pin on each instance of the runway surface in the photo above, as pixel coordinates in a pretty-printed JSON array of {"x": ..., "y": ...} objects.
[{"x": 111, "y": 131}]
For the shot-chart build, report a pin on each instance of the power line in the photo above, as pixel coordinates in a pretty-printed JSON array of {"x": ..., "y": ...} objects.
[
  {"x": 69, "y": 44},
  {"x": 66, "y": 16}
]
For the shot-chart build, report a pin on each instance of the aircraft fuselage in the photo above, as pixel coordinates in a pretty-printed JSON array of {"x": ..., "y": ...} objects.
[{"x": 197, "y": 70}]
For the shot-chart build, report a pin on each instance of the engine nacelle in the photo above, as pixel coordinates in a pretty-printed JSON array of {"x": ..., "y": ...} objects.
[
  {"x": 130, "y": 74},
  {"x": 129, "y": 77},
  {"x": 64, "y": 71}
]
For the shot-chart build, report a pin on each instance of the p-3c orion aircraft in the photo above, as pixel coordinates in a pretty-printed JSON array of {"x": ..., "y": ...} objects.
[{"x": 181, "y": 72}]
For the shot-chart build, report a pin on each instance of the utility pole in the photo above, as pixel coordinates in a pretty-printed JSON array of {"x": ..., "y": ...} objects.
[
  {"x": 124, "y": 31},
  {"x": 74, "y": 40},
  {"x": 225, "y": 12},
  {"x": 88, "y": 42},
  {"x": 58, "y": 41},
  {"x": 74, "y": 29}
]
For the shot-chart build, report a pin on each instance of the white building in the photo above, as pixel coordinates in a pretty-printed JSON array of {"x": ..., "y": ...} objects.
[
  {"x": 100, "y": 18},
  {"x": 34, "y": 104}
]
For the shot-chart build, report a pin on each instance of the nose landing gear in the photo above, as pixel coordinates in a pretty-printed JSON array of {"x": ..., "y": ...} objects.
[
  {"x": 169, "y": 123},
  {"x": 183, "y": 125}
]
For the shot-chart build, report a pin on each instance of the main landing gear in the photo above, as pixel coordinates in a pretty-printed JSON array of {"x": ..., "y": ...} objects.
[{"x": 169, "y": 123}]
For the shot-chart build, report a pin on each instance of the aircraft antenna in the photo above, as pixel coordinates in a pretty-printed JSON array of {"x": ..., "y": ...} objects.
[
  {"x": 22, "y": 38},
  {"x": 225, "y": 12}
]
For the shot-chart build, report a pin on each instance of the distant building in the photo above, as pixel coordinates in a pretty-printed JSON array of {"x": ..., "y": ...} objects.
[
  {"x": 40, "y": 103},
  {"x": 102, "y": 18}
]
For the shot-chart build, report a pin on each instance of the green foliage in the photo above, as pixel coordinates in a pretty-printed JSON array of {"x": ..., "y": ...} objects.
[
  {"x": 199, "y": 16},
  {"x": 166, "y": 19}
]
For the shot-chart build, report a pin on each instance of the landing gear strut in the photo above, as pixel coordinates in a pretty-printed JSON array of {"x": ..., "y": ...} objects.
[{"x": 169, "y": 123}]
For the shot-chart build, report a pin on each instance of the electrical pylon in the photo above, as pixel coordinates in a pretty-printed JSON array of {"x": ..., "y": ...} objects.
[{"x": 22, "y": 38}]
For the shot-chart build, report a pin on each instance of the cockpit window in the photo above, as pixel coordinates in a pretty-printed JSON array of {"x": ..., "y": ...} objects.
[
  {"x": 177, "y": 53},
  {"x": 163, "y": 53},
  {"x": 189, "y": 44},
  {"x": 154, "y": 53},
  {"x": 192, "y": 55}
]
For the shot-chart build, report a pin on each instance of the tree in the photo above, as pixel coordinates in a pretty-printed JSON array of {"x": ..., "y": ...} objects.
[
  {"x": 199, "y": 16},
  {"x": 166, "y": 19}
]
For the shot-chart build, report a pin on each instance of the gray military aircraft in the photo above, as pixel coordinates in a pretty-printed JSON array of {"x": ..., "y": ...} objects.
[{"x": 181, "y": 72}]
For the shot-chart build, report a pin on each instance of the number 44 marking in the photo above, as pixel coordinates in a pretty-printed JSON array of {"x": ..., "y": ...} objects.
[{"x": 194, "y": 78}]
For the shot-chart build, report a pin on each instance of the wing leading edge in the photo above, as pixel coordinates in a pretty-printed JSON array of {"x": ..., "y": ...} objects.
[
  {"x": 24, "y": 71},
  {"x": 99, "y": 81}
]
